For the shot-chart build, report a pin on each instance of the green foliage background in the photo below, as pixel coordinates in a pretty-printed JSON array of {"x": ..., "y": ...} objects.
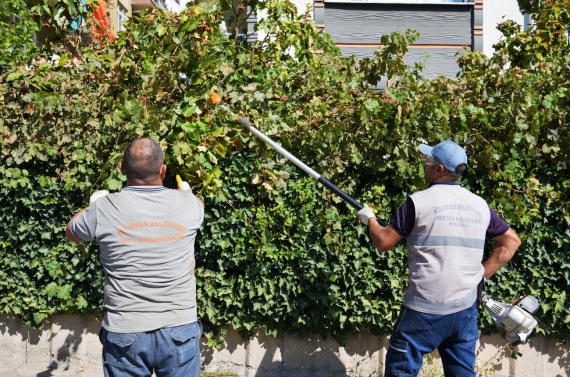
[{"x": 276, "y": 250}]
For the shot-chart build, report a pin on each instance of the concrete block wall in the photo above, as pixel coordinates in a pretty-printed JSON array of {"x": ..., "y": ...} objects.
[
  {"x": 69, "y": 342},
  {"x": 65, "y": 341}
]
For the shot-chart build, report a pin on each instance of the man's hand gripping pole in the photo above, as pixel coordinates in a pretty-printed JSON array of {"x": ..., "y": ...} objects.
[{"x": 217, "y": 100}]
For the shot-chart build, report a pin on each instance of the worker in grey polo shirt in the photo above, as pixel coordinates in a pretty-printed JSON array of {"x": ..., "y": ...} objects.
[
  {"x": 146, "y": 235},
  {"x": 445, "y": 228}
]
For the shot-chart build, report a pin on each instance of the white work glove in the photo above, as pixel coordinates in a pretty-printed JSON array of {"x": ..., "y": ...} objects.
[
  {"x": 182, "y": 185},
  {"x": 185, "y": 186},
  {"x": 365, "y": 214},
  {"x": 97, "y": 195}
]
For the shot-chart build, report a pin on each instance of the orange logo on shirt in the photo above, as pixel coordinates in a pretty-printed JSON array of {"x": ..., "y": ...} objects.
[
  {"x": 154, "y": 223},
  {"x": 143, "y": 224}
]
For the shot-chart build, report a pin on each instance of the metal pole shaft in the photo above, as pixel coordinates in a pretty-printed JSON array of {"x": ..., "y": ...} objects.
[{"x": 325, "y": 182}]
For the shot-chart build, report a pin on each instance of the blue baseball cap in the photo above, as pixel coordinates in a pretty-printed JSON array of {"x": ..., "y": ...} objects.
[{"x": 447, "y": 153}]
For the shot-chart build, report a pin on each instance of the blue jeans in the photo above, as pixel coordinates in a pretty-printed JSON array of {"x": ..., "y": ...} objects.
[
  {"x": 416, "y": 334},
  {"x": 168, "y": 352}
]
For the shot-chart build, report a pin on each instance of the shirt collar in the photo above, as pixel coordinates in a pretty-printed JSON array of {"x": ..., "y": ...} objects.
[
  {"x": 452, "y": 183},
  {"x": 145, "y": 188}
]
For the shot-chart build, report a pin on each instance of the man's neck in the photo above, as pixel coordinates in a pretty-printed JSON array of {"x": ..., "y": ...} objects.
[{"x": 140, "y": 182}]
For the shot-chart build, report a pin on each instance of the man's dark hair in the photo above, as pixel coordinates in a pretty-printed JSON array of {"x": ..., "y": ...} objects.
[{"x": 142, "y": 159}]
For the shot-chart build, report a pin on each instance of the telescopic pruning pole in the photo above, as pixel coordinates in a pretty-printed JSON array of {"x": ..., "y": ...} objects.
[{"x": 217, "y": 100}]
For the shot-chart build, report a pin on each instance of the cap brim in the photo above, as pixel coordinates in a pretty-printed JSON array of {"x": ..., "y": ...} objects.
[{"x": 426, "y": 149}]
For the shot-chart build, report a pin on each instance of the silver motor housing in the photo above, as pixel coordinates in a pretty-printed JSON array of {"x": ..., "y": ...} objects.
[{"x": 516, "y": 318}]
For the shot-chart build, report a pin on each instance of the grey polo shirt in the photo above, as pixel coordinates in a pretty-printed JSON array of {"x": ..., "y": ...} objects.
[{"x": 146, "y": 237}]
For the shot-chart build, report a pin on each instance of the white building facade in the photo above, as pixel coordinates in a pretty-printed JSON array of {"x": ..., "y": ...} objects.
[
  {"x": 175, "y": 5},
  {"x": 495, "y": 12}
]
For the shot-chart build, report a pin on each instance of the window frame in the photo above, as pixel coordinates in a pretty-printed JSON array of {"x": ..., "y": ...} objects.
[{"x": 122, "y": 16}]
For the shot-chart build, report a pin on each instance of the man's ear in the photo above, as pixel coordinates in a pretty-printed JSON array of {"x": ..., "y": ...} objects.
[
  {"x": 440, "y": 171},
  {"x": 121, "y": 168},
  {"x": 162, "y": 171}
]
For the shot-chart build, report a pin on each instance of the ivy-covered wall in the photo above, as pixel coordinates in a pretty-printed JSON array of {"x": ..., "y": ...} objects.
[{"x": 277, "y": 251}]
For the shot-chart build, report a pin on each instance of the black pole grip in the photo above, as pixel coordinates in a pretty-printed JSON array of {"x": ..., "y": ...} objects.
[{"x": 347, "y": 198}]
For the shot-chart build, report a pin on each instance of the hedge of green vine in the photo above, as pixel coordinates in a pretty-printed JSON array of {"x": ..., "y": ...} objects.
[{"x": 276, "y": 250}]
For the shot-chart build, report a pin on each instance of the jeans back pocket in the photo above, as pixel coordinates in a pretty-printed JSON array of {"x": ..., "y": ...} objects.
[
  {"x": 185, "y": 341},
  {"x": 119, "y": 349}
]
